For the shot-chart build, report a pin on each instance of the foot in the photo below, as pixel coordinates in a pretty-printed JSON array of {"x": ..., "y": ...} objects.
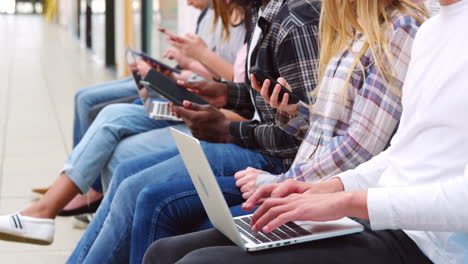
[
  {"x": 83, "y": 204},
  {"x": 25, "y": 229},
  {"x": 83, "y": 200},
  {"x": 82, "y": 221}
]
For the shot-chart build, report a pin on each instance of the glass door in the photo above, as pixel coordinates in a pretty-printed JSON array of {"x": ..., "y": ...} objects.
[{"x": 164, "y": 14}]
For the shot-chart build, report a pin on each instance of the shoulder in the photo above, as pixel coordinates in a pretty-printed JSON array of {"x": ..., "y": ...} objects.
[
  {"x": 405, "y": 22},
  {"x": 298, "y": 13}
]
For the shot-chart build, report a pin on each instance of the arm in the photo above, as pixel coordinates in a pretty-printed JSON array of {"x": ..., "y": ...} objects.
[
  {"x": 239, "y": 99},
  {"x": 374, "y": 116},
  {"x": 216, "y": 65},
  {"x": 198, "y": 68},
  {"x": 206, "y": 63},
  {"x": 295, "y": 58},
  {"x": 439, "y": 206}
]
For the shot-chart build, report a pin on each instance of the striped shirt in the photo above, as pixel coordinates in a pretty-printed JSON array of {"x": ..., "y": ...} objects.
[
  {"x": 342, "y": 131},
  {"x": 288, "y": 47}
]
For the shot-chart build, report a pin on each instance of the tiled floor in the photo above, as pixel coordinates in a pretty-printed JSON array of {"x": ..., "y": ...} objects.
[{"x": 41, "y": 67}]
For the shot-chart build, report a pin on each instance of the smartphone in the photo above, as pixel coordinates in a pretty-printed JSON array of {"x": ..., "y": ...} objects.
[{"x": 261, "y": 76}]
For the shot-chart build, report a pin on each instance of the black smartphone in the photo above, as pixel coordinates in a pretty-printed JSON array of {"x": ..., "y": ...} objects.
[
  {"x": 261, "y": 76},
  {"x": 169, "y": 89},
  {"x": 155, "y": 63}
]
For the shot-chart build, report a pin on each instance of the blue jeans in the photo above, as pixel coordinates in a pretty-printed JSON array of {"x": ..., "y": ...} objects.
[
  {"x": 92, "y": 154},
  {"x": 108, "y": 237},
  {"x": 88, "y": 97},
  {"x": 174, "y": 208}
]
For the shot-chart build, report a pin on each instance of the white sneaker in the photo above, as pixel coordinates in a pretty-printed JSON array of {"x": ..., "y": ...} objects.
[{"x": 25, "y": 229}]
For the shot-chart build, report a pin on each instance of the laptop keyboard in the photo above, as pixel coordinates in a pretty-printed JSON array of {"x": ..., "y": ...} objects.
[{"x": 287, "y": 231}]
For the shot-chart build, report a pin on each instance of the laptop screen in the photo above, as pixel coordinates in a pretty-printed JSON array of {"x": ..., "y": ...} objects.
[{"x": 131, "y": 58}]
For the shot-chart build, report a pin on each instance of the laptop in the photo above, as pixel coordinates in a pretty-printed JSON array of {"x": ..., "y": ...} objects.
[
  {"x": 157, "y": 109},
  {"x": 237, "y": 229}
]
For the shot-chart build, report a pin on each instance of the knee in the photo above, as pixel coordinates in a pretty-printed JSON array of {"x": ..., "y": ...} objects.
[
  {"x": 207, "y": 256},
  {"x": 112, "y": 109},
  {"x": 82, "y": 97},
  {"x": 161, "y": 251},
  {"x": 116, "y": 112},
  {"x": 123, "y": 171},
  {"x": 125, "y": 196}
]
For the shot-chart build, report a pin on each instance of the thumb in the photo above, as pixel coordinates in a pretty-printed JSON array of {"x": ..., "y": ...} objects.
[{"x": 195, "y": 107}]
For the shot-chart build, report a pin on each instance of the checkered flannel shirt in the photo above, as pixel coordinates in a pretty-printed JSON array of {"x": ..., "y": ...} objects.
[
  {"x": 288, "y": 48},
  {"x": 343, "y": 131}
]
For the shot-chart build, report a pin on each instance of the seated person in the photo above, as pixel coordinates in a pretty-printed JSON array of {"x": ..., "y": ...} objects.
[{"x": 411, "y": 198}]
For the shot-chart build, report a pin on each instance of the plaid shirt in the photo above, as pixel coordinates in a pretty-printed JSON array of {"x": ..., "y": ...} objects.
[
  {"x": 343, "y": 131},
  {"x": 288, "y": 48}
]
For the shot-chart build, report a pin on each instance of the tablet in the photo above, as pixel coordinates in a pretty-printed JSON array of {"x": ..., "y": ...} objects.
[
  {"x": 155, "y": 63},
  {"x": 169, "y": 89}
]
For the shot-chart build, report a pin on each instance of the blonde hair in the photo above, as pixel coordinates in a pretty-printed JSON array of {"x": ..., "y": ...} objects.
[{"x": 339, "y": 24}]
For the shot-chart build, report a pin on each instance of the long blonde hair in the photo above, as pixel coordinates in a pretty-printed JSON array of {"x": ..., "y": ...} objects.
[{"x": 339, "y": 24}]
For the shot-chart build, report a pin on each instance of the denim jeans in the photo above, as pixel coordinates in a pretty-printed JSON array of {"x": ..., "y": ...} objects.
[
  {"x": 108, "y": 237},
  {"x": 88, "y": 97},
  {"x": 92, "y": 154},
  {"x": 174, "y": 208}
]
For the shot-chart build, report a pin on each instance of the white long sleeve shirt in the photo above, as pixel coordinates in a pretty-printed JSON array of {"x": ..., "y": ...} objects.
[{"x": 420, "y": 184}]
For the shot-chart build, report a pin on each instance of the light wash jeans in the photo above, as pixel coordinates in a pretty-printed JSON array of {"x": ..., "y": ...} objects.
[
  {"x": 108, "y": 237},
  {"x": 86, "y": 98},
  {"x": 114, "y": 123}
]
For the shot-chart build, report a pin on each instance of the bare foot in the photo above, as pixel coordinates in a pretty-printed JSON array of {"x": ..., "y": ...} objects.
[{"x": 81, "y": 200}]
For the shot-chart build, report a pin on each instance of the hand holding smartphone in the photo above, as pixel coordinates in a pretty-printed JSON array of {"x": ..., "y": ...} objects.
[{"x": 262, "y": 76}]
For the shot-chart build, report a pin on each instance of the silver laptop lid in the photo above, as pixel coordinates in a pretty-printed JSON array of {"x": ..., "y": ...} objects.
[
  {"x": 207, "y": 186},
  {"x": 133, "y": 69}
]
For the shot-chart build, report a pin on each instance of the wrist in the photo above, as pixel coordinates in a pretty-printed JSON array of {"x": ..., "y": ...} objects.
[
  {"x": 199, "y": 54},
  {"x": 228, "y": 138},
  {"x": 355, "y": 204},
  {"x": 335, "y": 185}
]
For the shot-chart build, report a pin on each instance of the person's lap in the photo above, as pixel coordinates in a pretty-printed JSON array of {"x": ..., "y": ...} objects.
[
  {"x": 141, "y": 151},
  {"x": 88, "y": 97},
  {"x": 114, "y": 123},
  {"x": 211, "y": 246}
]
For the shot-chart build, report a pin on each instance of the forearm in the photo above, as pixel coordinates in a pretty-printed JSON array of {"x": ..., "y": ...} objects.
[
  {"x": 296, "y": 124},
  {"x": 438, "y": 207},
  {"x": 198, "y": 68},
  {"x": 265, "y": 137},
  {"x": 217, "y": 66},
  {"x": 239, "y": 99}
]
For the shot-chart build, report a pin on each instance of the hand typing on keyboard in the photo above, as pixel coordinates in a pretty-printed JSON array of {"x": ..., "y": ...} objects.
[{"x": 302, "y": 206}]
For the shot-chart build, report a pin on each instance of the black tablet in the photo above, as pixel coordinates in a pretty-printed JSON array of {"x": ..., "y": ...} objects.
[{"x": 168, "y": 88}]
